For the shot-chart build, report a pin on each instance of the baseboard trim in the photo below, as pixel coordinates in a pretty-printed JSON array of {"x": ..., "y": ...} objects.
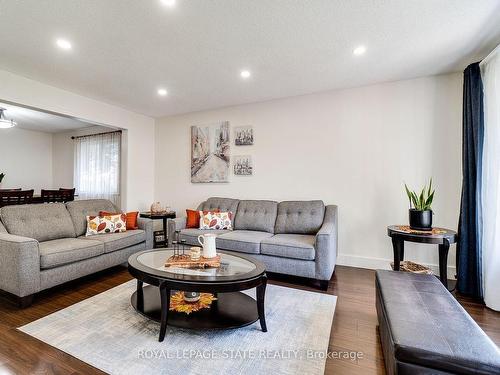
[{"x": 381, "y": 263}]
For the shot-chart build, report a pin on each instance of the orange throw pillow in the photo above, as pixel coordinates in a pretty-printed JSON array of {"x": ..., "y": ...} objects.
[
  {"x": 193, "y": 218},
  {"x": 131, "y": 218}
]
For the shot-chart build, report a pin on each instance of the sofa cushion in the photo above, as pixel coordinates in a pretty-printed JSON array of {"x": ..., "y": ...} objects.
[
  {"x": 256, "y": 216},
  {"x": 2, "y": 228},
  {"x": 80, "y": 209},
  {"x": 43, "y": 222},
  {"x": 300, "y": 217},
  {"x": 191, "y": 234},
  {"x": 223, "y": 204},
  {"x": 243, "y": 241},
  {"x": 118, "y": 241},
  {"x": 67, "y": 250},
  {"x": 297, "y": 246}
]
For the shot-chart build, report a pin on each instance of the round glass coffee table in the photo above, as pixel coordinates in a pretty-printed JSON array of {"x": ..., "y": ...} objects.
[{"x": 231, "y": 309}]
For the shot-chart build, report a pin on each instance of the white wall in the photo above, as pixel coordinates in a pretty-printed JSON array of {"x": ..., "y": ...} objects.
[
  {"x": 353, "y": 148},
  {"x": 139, "y": 138},
  {"x": 26, "y": 159}
]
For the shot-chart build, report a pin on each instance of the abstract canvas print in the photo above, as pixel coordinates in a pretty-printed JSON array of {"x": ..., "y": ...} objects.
[
  {"x": 243, "y": 136},
  {"x": 243, "y": 165},
  {"x": 210, "y": 152}
]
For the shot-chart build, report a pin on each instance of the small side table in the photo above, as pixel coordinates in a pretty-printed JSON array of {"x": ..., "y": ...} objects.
[
  {"x": 443, "y": 240},
  {"x": 163, "y": 216}
]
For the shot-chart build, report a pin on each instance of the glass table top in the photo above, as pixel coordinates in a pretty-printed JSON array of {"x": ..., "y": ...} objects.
[{"x": 230, "y": 265}]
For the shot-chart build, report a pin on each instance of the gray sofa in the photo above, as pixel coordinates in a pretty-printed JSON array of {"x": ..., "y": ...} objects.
[
  {"x": 43, "y": 245},
  {"x": 296, "y": 238}
]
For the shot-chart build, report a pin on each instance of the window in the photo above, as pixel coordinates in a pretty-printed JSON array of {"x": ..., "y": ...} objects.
[
  {"x": 490, "y": 181},
  {"x": 97, "y": 166}
]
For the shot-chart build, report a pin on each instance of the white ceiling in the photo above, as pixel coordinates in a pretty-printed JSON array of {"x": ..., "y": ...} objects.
[
  {"x": 41, "y": 121},
  {"x": 124, "y": 50}
]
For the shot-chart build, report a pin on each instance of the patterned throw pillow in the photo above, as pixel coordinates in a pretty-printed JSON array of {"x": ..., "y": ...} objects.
[
  {"x": 131, "y": 218},
  {"x": 106, "y": 224},
  {"x": 216, "y": 220},
  {"x": 193, "y": 218}
]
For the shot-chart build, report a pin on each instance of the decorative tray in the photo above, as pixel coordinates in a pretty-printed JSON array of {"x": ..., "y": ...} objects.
[
  {"x": 409, "y": 266},
  {"x": 158, "y": 213},
  {"x": 407, "y": 229},
  {"x": 185, "y": 261}
]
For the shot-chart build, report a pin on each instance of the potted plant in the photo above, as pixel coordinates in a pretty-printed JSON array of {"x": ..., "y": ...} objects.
[
  {"x": 2, "y": 175},
  {"x": 421, "y": 214}
]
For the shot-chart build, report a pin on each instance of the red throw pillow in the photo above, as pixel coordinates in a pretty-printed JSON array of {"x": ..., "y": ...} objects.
[
  {"x": 193, "y": 218},
  {"x": 131, "y": 218}
]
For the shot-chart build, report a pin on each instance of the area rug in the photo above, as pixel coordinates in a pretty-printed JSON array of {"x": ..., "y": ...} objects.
[{"x": 107, "y": 333}]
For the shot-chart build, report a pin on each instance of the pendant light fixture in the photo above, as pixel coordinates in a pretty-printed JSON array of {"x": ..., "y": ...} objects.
[{"x": 4, "y": 122}]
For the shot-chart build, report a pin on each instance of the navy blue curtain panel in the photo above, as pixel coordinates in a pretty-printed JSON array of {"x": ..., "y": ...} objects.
[{"x": 469, "y": 267}]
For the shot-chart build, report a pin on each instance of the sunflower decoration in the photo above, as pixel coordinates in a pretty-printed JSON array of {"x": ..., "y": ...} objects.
[{"x": 177, "y": 303}]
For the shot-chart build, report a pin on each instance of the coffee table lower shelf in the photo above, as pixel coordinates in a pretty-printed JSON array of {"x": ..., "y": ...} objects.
[{"x": 230, "y": 310}]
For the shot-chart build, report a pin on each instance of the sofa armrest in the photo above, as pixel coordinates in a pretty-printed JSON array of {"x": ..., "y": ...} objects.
[
  {"x": 147, "y": 226},
  {"x": 19, "y": 265},
  {"x": 326, "y": 244},
  {"x": 173, "y": 225}
]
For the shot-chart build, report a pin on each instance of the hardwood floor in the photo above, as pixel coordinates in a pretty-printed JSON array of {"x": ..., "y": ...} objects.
[{"x": 354, "y": 328}]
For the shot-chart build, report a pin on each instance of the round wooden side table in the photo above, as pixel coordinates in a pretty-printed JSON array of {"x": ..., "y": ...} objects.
[
  {"x": 443, "y": 240},
  {"x": 160, "y": 216}
]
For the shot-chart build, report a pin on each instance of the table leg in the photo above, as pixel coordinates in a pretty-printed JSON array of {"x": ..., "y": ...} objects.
[
  {"x": 165, "y": 306},
  {"x": 165, "y": 244},
  {"x": 261, "y": 293},
  {"x": 443, "y": 262},
  {"x": 140, "y": 296},
  {"x": 398, "y": 247},
  {"x": 215, "y": 304}
]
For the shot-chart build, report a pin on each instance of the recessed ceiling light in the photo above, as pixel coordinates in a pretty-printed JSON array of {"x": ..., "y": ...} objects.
[
  {"x": 63, "y": 44},
  {"x": 245, "y": 74},
  {"x": 162, "y": 92},
  {"x": 358, "y": 51},
  {"x": 168, "y": 3}
]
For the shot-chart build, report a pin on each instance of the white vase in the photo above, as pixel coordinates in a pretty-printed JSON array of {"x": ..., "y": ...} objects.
[{"x": 208, "y": 243}]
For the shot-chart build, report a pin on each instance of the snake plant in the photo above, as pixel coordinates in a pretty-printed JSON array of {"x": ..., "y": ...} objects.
[{"x": 422, "y": 201}]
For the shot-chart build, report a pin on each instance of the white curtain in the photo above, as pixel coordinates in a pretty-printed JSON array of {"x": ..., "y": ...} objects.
[
  {"x": 490, "y": 74},
  {"x": 97, "y": 166}
]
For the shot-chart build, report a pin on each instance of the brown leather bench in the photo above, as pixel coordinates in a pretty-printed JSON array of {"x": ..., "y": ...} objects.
[{"x": 424, "y": 330}]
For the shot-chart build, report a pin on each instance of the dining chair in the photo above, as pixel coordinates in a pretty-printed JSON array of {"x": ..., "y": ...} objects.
[
  {"x": 60, "y": 195},
  {"x": 15, "y": 197},
  {"x": 70, "y": 193}
]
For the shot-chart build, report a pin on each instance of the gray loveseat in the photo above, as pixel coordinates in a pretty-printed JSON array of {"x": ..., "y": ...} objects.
[
  {"x": 296, "y": 238},
  {"x": 43, "y": 245}
]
